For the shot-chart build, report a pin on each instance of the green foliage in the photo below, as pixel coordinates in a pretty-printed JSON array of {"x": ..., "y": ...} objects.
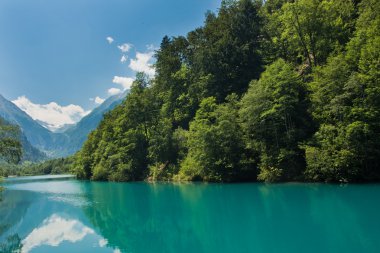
[
  {"x": 269, "y": 174},
  {"x": 275, "y": 120},
  {"x": 276, "y": 91},
  {"x": 346, "y": 104},
  {"x": 307, "y": 31},
  {"x": 118, "y": 149},
  {"x": 10, "y": 145},
  {"x": 215, "y": 145},
  {"x": 54, "y": 166},
  {"x": 228, "y": 48}
]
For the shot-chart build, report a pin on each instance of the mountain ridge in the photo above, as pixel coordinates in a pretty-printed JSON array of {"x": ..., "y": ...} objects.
[{"x": 64, "y": 142}]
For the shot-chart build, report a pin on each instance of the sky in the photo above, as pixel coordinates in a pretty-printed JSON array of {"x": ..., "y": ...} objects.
[{"x": 61, "y": 58}]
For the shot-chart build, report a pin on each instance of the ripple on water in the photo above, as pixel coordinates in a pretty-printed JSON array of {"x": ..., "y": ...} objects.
[{"x": 75, "y": 200}]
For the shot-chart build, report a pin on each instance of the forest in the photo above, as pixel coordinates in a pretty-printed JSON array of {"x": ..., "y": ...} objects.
[
  {"x": 10, "y": 144},
  {"x": 16, "y": 154},
  {"x": 273, "y": 91}
]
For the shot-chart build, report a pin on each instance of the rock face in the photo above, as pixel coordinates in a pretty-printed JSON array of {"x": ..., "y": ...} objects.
[{"x": 59, "y": 144}]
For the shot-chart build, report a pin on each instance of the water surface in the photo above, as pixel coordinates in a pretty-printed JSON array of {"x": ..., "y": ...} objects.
[{"x": 61, "y": 214}]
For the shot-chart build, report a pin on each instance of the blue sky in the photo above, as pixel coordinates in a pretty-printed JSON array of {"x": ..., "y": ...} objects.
[{"x": 55, "y": 53}]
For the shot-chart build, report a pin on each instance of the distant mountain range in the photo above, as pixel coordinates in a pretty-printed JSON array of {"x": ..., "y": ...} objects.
[
  {"x": 71, "y": 140},
  {"x": 64, "y": 142}
]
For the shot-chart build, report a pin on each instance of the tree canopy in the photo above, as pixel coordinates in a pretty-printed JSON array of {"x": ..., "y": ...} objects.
[
  {"x": 271, "y": 90},
  {"x": 10, "y": 145}
]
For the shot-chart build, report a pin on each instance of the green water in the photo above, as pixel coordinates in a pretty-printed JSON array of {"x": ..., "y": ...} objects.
[{"x": 47, "y": 214}]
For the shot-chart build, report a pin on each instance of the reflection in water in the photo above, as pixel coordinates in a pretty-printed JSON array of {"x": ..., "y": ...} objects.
[
  {"x": 56, "y": 187},
  {"x": 11, "y": 244},
  {"x": 12, "y": 209},
  {"x": 139, "y": 217},
  {"x": 47, "y": 216},
  {"x": 74, "y": 216},
  {"x": 54, "y": 231}
]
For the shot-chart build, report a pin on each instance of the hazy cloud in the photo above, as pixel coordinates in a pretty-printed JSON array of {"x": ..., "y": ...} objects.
[
  {"x": 53, "y": 114},
  {"x": 123, "y": 58},
  {"x": 114, "y": 91},
  {"x": 151, "y": 47},
  {"x": 110, "y": 40},
  {"x": 125, "y": 47},
  {"x": 97, "y": 100}
]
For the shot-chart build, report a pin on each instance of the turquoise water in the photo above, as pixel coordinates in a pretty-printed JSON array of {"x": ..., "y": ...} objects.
[{"x": 65, "y": 215}]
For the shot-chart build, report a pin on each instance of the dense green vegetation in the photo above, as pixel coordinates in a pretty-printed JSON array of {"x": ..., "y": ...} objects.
[
  {"x": 14, "y": 146},
  {"x": 275, "y": 91},
  {"x": 54, "y": 166},
  {"x": 10, "y": 146},
  {"x": 17, "y": 156}
]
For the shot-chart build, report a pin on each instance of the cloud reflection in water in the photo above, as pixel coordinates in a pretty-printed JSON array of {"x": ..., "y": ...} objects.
[{"x": 54, "y": 231}]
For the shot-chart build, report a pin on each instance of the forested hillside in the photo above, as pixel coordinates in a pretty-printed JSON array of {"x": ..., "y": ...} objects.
[
  {"x": 10, "y": 145},
  {"x": 15, "y": 147},
  {"x": 274, "y": 91},
  {"x": 38, "y": 140}
]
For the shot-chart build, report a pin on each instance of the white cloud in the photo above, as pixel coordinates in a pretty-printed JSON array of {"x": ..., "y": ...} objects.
[
  {"x": 125, "y": 47},
  {"x": 143, "y": 63},
  {"x": 53, "y": 114},
  {"x": 109, "y": 39},
  {"x": 97, "y": 100},
  {"x": 123, "y": 58},
  {"x": 114, "y": 91},
  {"x": 151, "y": 47},
  {"x": 126, "y": 82},
  {"x": 54, "y": 231},
  {"x": 116, "y": 251}
]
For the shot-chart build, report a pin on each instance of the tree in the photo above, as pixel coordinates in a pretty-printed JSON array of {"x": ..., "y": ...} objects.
[
  {"x": 117, "y": 150},
  {"x": 228, "y": 48},
  {"x": 346, "y": 105},
  {"x": 213, "y": 112},
  {"x": 275, "y": 121},
  {"x": 10, "y": 146},
  {"x": 307, "y": 31},
  {"x": 215, "y": 144}
]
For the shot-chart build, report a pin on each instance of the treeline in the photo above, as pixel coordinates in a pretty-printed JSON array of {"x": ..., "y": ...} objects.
[
  {"x": 14, "y": 146},
  {"x": 16, "y": 155},
  {"x": 10, "y": 144},
  {"x": 275, "y": 91},
  {"x": 27, "y": 168}
]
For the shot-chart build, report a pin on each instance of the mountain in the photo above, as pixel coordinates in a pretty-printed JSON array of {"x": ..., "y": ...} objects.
[
  {"x": 72, "y": 139},
  {"x": 53, "y": 128},
  {"x": 61, "y": 129},
  {"x": 29, "y": 153},
  {"x": 37, "y": 135},
  {"x": 65, "y": 141}
]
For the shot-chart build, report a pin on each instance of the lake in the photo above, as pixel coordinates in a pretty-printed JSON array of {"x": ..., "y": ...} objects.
[{"x": 61, "y": 214}]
